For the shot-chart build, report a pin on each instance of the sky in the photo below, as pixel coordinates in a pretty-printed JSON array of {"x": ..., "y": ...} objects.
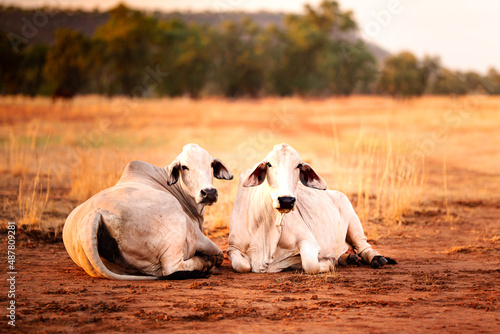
[{"x": 464, "y": 34}]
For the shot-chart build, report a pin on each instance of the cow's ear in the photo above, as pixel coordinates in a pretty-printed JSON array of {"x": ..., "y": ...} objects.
[
  {"x": 310, "y": 178},
  {"x": 173, "y": 172},
  {"x": 221, "y": 171},
  {"x": 257, "y": 176}
]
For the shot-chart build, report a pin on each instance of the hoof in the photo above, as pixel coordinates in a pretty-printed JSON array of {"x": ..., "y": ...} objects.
[
  {"x": 349, "y": 259},
  {"x": 218, "y": 260},
  {"x": 380, "y": 261}
]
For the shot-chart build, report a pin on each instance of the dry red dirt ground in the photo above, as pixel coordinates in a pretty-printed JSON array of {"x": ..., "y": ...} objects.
[{"x": 447, "y": 280}]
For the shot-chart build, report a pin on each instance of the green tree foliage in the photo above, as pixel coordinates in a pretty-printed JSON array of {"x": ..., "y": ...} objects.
[
  {"x": 239, "y": 68},
  {"x": 34, "y": 60},
  {"x": 473, "y": 82},
  {"x": 491, "y": 82},
  {"x": 314, "y": 57},
  {"x": 348, "y": 65},
  {"x": 10, "y": 65},
  {"x": 126, "y": 42},
  {"x": 314, "y": 60},
  {"x": 67, "y": 61},
  {"x": 449, "y": 82},
  {"x": 403, "y": 75},
  {"x": 22, "y": 71},
  {"x": 184, "y": 52}
]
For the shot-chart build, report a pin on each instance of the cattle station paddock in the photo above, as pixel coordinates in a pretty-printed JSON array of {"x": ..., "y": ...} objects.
[{"x": 422, "y": 175}]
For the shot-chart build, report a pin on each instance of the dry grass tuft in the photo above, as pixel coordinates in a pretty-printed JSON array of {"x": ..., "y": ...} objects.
[
  {"x": 32, "y": 204},
  {"x": 32, "y": 200},
  {"x": 20, "y": 153},
  {"x": 464, "y": 249},
  {"x": 92, "y": 172},
  {"x": 387, "y": 181},
  {"x": 301, "y": 276},
  {"x": 17, "y": 162},
  {"x": 493, "y": 239}
]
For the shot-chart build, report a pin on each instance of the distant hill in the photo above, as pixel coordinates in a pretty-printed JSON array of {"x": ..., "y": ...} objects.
[{"x": 12, "y": 19}]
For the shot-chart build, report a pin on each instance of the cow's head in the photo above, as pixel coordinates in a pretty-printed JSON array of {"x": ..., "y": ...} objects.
[
  {"x": 283, "y": 168},
  {"x": 194, "y": 168}
]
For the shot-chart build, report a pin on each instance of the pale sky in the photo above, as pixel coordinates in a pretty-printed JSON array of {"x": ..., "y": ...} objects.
[{"x": 464, "y": 33}]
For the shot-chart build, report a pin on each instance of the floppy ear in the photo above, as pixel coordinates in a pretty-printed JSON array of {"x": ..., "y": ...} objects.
[
  {"x": 173, "y": 172},
  {"x": 221, "y": 171},
  {"x": 257, "y": 176},
  {"x": 310, "y": 178}
]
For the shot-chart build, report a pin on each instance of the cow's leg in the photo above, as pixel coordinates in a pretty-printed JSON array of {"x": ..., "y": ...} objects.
[
  {"x": 180, "y": 255},
  {"x": 356, "y": 237},
  {"x": 207, "y": 249},
  {"x": 195, "y": 263},
  {"x": 309, "y": 256},
  {"x": 349, "y": 258},
  {"x": 238, "y": 261}
]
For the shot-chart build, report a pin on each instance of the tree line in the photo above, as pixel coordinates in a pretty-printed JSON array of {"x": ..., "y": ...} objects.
[{"x": 316, "y": 53}]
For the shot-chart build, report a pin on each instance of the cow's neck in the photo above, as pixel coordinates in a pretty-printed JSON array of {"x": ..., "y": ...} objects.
[
  {"x": 263, "y": 207},
  {"x": 266, "y": 232},
  {"x": 194, "y": 210}
]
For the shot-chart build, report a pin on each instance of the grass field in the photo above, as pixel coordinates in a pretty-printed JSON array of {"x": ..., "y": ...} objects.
[{"x": 388, "y": 156}]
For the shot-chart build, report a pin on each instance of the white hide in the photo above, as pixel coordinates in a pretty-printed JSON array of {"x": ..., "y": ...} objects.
[
  {"x": 151, "y": 221},
  {"x": 321, "y": 227}
]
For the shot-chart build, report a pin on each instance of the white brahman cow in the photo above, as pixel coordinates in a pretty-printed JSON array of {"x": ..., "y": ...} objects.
[
  {"x": 278, "y": 222},
  {"x": 149, "y": 225}
]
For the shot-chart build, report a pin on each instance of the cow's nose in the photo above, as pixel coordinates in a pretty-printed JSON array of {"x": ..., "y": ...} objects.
[
  {"x": 209, "y": 195},
  {"x": 286, "y": 202}
]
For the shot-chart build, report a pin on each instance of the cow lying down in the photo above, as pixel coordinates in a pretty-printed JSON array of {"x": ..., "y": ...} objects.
[
  {"x": 149, "y": 225},
  {"x": 278, "y": 222}
]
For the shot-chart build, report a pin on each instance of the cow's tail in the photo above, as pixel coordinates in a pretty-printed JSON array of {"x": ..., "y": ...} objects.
[{"x": 88, "y": 238}]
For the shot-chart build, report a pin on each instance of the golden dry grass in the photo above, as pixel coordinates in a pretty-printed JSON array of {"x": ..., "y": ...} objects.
[
  {"x": 386, "y": 155},
  {"x": 464, "y": 249},
  {"x": 93, "y": 171},
  {"x": 32, "y": 200}
]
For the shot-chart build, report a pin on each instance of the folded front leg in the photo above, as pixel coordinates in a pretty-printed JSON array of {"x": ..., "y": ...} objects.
[
  {"x": 309, "y": 251},
  {"x": 207, "y": 249},
  {"x": 238, "y": 261}
]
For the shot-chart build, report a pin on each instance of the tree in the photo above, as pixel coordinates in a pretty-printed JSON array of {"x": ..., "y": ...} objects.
[
  {"x": 32, "y": 68},
  {"x": 491, "y": 82},
  {"x": 10, "y": 67},
  {"x": 239, "y": 68},
  {"x": 347, "y": 65},
  {"x": 128, "y": 40},
  {"x": 67, "y": 62},
  {"x": 402, "y": 75},
  {"x": 449, "y": 82},
  {"x": 313, "y": 57},
  {"x": 472, "y": 81},
  {"x": 184, "y": 52},
  {"x": 194, "y": 61}
]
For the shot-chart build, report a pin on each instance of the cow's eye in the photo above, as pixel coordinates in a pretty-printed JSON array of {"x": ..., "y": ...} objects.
[
  {"x": 184, "y": 168},
  {"x": 269, "y": 164},
  {"x": 299, "y": 165}
]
